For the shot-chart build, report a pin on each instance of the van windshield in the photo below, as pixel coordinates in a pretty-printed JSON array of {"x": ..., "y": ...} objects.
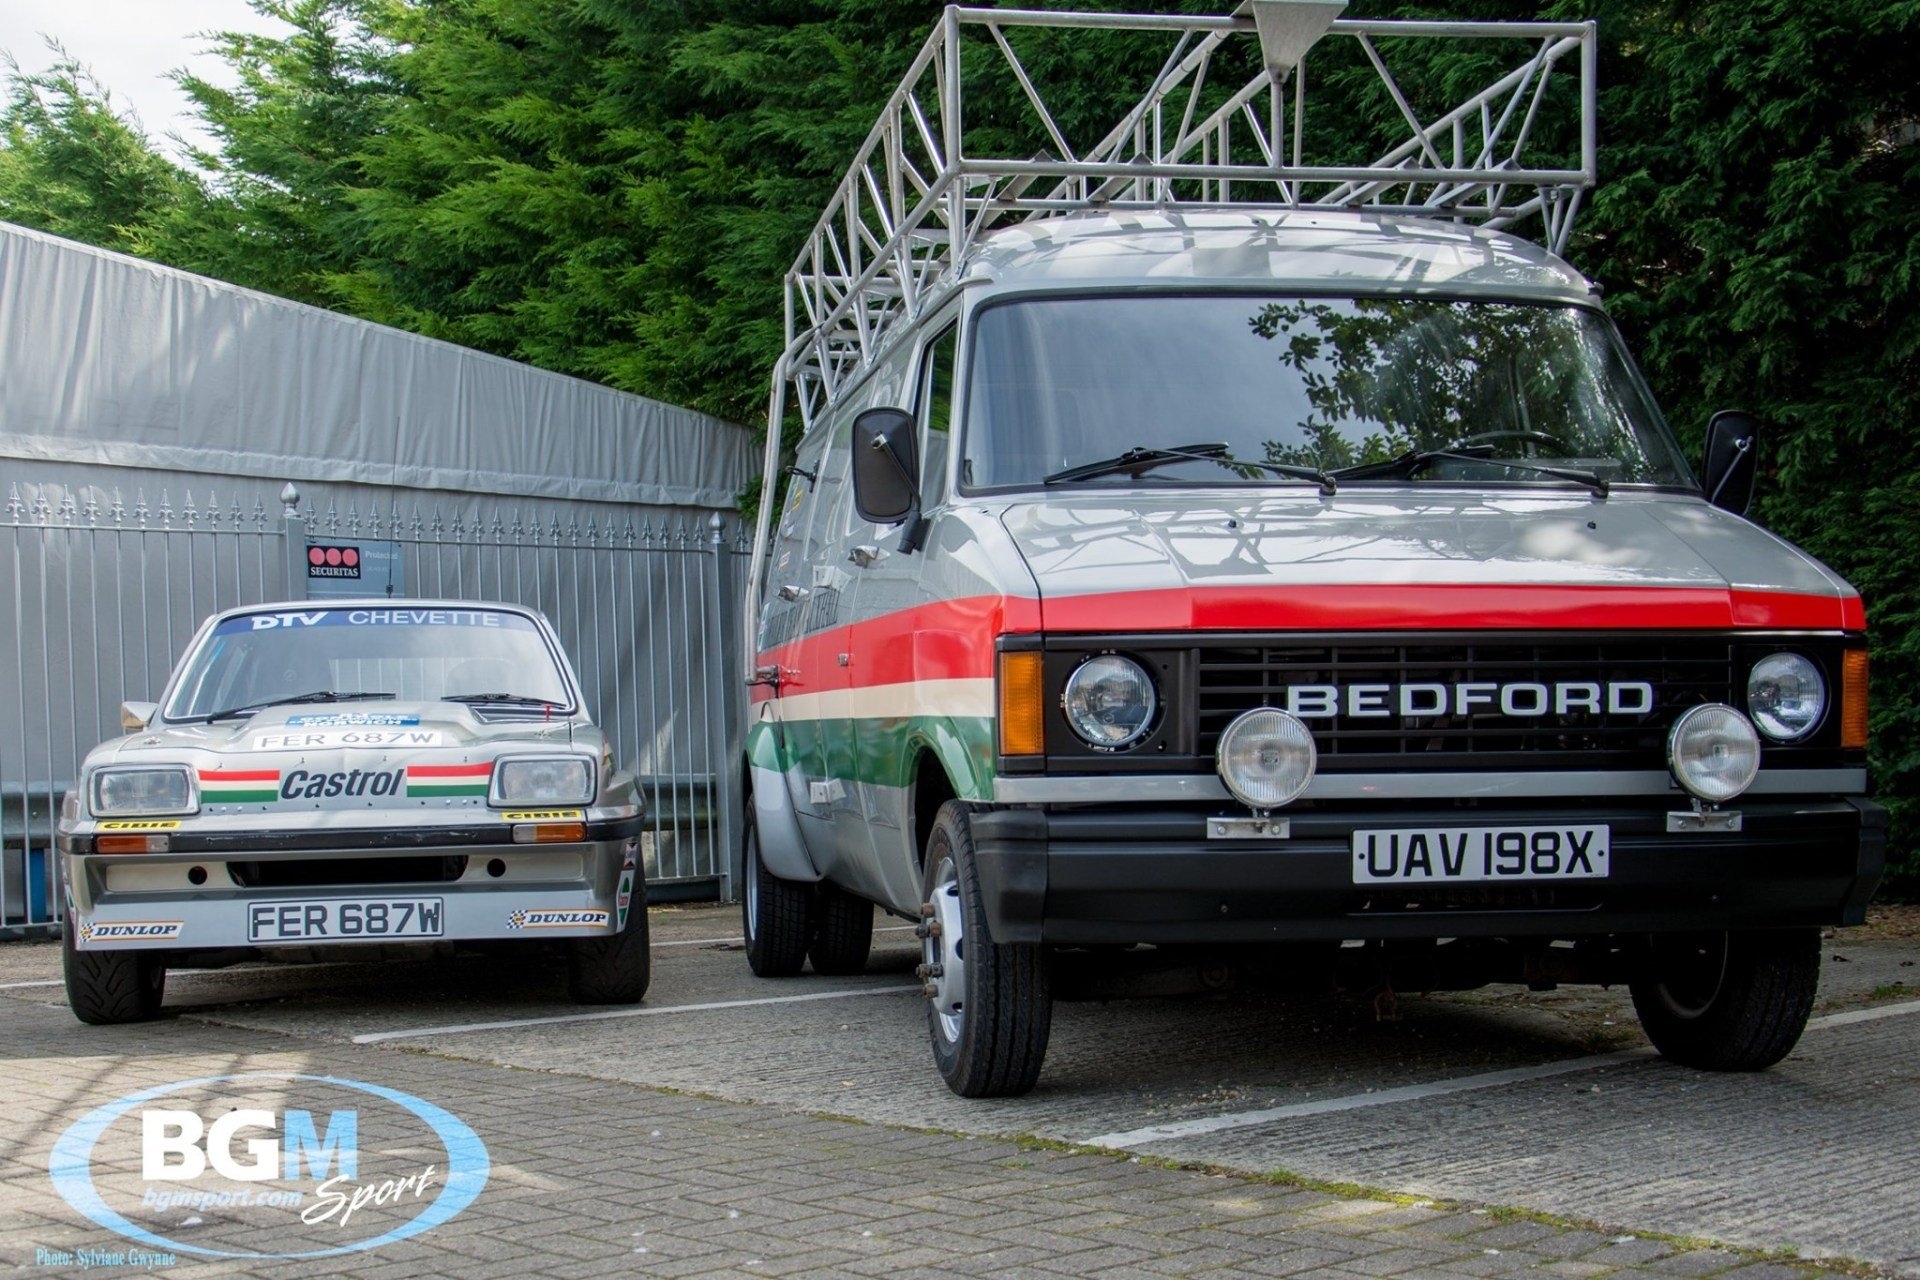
[{"x": 1366, "y": 389}]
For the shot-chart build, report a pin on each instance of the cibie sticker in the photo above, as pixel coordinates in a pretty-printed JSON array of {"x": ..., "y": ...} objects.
[
  {"x": 559, "y": 918},
  {"x": 142, "y": 824},
  {"x": 129, "y": 930},
  {"x": 544, "y": 815},
  {"x": 270, "y": 1165}
]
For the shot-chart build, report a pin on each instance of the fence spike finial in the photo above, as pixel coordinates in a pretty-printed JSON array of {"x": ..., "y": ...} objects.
[{"x": 15, "y": 507}]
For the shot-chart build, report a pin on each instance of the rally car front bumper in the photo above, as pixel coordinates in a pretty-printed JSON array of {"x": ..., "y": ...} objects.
[{"x": 259, "y": 890}]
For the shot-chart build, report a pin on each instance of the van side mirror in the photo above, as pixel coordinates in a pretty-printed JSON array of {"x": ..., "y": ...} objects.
[
  {"x": 135, "y": 716},
  {"x": 1732, "y": 460},
  {"x": 886, "y": 465}
]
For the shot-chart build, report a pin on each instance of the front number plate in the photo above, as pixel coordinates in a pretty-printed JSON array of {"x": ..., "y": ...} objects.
[
  {"x": 346, "y": 920},
  {"x": 1457, "y": 855}
]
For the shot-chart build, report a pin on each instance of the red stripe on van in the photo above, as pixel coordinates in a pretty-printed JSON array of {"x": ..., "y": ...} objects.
[{"x": 954, "y": 639}]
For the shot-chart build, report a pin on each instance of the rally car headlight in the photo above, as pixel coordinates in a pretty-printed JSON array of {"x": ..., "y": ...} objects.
[
  {"x": 561, "y": 780},
  {"x": 1110, "y": 701},
  {"x": 1786, "y": 696},
  {"x": 124, "y": 793}
]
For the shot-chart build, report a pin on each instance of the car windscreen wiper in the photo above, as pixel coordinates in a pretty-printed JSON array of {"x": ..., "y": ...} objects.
[
  {"x": 318, "y": 695},
  {"x": 1408, "y": 463},
  {"x": 510, "y": 699},
  {"x": 1141, "y": 459}
]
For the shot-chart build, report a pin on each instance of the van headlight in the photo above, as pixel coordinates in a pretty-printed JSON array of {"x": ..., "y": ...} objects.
[
  {"x": 542, "y": 782},
  {"x": 1110, "y": 701},
  {"x": 123, "y": 793},
  {"x": 1714, "y": 752},
  {"x": 1786, "y": 696}
]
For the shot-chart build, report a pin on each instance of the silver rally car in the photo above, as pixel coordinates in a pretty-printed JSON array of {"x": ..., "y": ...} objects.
[{"x": 357, "y": 774}]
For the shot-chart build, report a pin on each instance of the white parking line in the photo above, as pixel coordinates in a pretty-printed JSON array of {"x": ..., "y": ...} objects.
[
  {"x": 375, "y": 1037},
  {"x": 48, "y": 982},
  {"x": 1436, "y": 1088},
  {"x": 715, "y": 942}
]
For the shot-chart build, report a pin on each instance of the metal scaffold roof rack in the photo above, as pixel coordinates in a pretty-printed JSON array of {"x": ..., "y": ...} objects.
[{"x": 916, "y": 197}]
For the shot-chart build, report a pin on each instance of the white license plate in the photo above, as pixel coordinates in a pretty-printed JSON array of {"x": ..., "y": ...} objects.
[
  {"x": 1457, "y": 855},
  {"x": 346, "y": 919}
]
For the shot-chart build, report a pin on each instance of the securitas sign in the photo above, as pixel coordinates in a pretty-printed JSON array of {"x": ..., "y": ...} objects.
[{"x": 269, "y": 1166}]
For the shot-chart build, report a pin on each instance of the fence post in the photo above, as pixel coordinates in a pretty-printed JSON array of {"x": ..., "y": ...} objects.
[
  {"x": 722, "y": 671},
  {"x": 296, "y": 542}
]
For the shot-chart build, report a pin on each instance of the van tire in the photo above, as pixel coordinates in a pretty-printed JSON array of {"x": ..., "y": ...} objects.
[
  {"x": 1728, "y": 1001},
  {"x": 842, "y": 931},
  {"x": 615, "y": 970},
  {"x": 109, "y": 987},
  {"x": 994, "y": 1044},
  {"x": 776, "y": 915}
]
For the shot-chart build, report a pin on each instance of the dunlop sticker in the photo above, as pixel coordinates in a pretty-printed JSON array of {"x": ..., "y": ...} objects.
[
  {"x": 131, "y": 930},
  {"x": 544, "y": 815},
  {"x": 559, "y": 918},
  {"x": 148, "y": 824}
]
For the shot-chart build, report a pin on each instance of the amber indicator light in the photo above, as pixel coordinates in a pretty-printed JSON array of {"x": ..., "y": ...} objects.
[
  {"x": 1853, "y": 700},
  {"x": 550, "y": 833},
  {"x": 1021, "y": 703},
  {"x": 130, "y": 844}
]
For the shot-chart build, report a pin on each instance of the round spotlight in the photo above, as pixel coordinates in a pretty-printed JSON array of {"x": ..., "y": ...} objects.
[
  {"x": 1786, "y": 695},
  {"x": 1110, "y": 701},
  {"x": 1714, "y": 752},
  {"x": 1266, "y": 758}
]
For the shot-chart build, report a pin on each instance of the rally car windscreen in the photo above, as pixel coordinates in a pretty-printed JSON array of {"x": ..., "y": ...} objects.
[
  {"x": 1329, "y": 383},
  {"x": 412, "y": 654}
]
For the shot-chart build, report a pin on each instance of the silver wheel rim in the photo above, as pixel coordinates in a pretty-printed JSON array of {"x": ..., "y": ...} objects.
[
  {"x": 1692, "y": 994},
  {"x": 944, "y": 951},
  {"x": 752, "y": 877}
]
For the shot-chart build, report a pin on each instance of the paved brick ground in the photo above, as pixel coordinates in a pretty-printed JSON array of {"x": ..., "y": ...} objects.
[{"x": 596, "y": 1178}]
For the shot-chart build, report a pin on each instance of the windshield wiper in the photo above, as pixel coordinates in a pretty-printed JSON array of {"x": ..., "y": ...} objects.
[
  {"x": 1141, "y": 459},
  {"x": 1408, "y": 463},
  {"x": 318, "y": 695},
  {"x": 510, "y": 699}
]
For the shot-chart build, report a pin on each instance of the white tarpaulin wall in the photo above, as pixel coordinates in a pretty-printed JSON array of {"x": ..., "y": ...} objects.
[{"x": 111, "y": 361}]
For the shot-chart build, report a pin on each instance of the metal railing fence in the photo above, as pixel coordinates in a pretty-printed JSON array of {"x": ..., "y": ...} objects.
[{"x": 104, "y": 594}]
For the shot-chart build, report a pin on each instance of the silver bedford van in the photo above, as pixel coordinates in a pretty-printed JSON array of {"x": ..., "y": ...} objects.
[{"x": 1201, "y": 568}]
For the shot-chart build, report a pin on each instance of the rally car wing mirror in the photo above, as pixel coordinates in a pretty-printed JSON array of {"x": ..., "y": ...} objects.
[
  {"x": 886, "y": 463},
  {"x": 135, "y": 716},
  {"x": 1732, "y": 460}
]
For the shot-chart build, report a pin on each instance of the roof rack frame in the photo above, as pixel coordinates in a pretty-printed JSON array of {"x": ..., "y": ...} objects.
[{"x": 915, "y": 200}]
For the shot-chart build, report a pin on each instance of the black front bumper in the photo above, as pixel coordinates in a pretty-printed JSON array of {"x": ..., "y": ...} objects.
[{"x": 1120, "y": 874}]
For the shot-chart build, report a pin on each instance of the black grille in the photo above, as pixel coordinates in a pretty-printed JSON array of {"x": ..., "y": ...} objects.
[{"x": 1683, "y": 671}]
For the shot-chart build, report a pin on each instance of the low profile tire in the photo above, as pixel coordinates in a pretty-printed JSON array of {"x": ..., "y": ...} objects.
[
  {"x": 776, "y": 914},
  {"x": 842, "y": 931},
  {"x": 1728, "y": 1001},
  {"x": 107, "y": 987},
  {"x": 616, "y": 970},
  {"x": 991, "y": 1006}
]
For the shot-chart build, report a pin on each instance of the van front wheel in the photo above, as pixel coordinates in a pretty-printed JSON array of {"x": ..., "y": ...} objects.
[
  {"x": 1728, "y": 1001},
  {"x": 776, "y": 914},
  {"x": 989, "y": 1004}
]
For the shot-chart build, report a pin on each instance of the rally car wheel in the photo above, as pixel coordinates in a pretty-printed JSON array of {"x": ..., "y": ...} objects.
[
  {"x": 989, "y": 1004},
  {"x": 105, "y": 987},
  {"x": 842, "y": 931},
  {"x": 777, "y": 915},
  {"x": 614, "y": 970},
  {"x": 1728, "y": 1001}
]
